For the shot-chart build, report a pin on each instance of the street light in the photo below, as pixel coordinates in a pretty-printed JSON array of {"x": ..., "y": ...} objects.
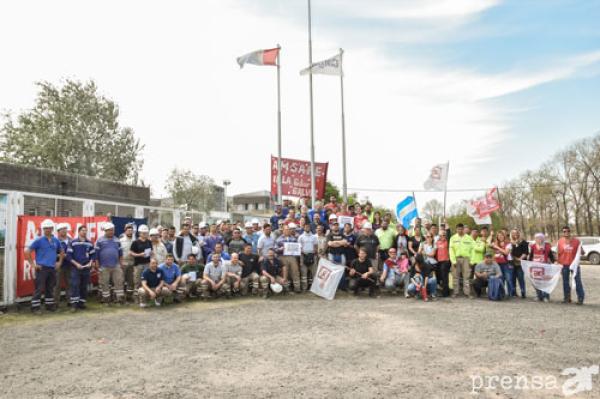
[{"x": 226, "y": 182}]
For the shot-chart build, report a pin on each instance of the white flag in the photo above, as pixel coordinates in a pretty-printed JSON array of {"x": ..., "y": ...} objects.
[
  {"x": 327, "y": 279},
  {"x": 437, "y": 178},
  {"x": 543, "y": 276},
  {"x": 472, "y": 211},
  {"x": 575, "y": 265},
  {"x": 330, "y": 66}
]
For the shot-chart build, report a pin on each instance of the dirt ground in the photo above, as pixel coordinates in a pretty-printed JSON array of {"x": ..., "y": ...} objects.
[{"x": 303, "y": 346}]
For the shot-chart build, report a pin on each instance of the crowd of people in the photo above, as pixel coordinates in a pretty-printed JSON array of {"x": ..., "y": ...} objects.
[{"x": 227, "y": 259}]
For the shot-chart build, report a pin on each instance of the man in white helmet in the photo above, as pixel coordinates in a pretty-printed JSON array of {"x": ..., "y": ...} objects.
[
  {"x": 109, "y": 259},
  {"x": 141, "y": 250},
  {"x": 63, "y": 271},
  {"x": 48, "y": 256},
  {"x": 126, "y": 239}
]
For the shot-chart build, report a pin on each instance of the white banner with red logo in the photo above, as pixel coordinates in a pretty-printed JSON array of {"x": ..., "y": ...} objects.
[
  {"x": 543, "y": 276},
  {"x": 481, "y": 208},
  {"x": 327, "y": 279}
]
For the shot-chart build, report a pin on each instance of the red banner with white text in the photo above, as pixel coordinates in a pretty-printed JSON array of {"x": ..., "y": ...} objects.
[
  {"x": 295, "y": 178},
  {"x": 28, "y": 229}
]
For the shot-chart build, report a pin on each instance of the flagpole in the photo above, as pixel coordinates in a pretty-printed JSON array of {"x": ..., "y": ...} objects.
[
  {"x": 279, "y": 194},
  {"x": 446, "y": 187},
  {"x": 345, "y": 182},
  {"x": 312, "y": 134}
]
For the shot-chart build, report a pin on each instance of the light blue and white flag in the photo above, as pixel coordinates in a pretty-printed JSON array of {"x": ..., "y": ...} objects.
[{"x": 406, "y": 211}]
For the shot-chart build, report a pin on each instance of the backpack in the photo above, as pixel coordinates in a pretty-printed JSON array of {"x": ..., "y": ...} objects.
[{"x": 495, "y": 289}]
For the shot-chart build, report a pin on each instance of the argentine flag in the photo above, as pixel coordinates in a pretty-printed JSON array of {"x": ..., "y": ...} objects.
[{"x": 406, "y": 211}]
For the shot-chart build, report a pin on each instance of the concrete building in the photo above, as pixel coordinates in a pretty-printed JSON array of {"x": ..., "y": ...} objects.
[{"x": 257, "y": 202}]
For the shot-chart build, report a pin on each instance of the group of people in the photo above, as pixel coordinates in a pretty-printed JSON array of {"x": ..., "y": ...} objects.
[{"x": 281, "y": 256}]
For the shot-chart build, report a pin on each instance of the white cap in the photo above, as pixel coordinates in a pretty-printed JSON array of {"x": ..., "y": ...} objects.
[
  {"x": 248, "y": 225},
  {"x": 153, "y": 232},
  {"x": 332, "y": 216},
  {"x": 292, "y": 225},
  {"x": 367, "y": 225},
  {"x": 203, "y": 225},
  {"x": 47, "y": 224},
  {"x": 61, "y": 226},
  {"x": 142, "y": 228},
  {"x": 108, "y": 226},
  {"x": 255, "y": 221}
]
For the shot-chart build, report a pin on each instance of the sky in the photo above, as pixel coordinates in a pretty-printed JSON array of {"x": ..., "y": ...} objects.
[{"x": 495, "y": 87}]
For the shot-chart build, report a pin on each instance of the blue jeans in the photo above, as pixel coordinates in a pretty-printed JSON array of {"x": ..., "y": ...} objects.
[
  {"x": 339, "y": 259},
  {"x": 518, "y": 276},
  {"x": 541, "y": 295},
  {"x": 431, "y": 287},
  {"x": 507, "y": 275},
  {"x": 566, "y": 276}
]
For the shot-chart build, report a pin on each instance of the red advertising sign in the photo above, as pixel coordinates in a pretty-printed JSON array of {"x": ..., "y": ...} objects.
[
  {"x": 295, "y": 177},
  {"x": 28, "y": 229}
]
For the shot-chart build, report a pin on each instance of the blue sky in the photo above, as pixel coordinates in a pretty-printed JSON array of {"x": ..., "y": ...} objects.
[{"x": 494, "y": 86}]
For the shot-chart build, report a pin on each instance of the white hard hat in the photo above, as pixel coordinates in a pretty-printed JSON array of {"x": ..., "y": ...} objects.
[
  {"x": 47, "y": 224},
  {"x": 219, "y": 221},
  {"x": 61, "y": 226},
  {"x": 333, "y": 216},
  {"x": 195, "y": 250},
  {"x": 108, "y": 226},
  {"x": 153, "y": 232},
  {"x": 276, "y": 288},
  {"x": 255, "y": 221},
  {"x": 203, "y": 225},
  {"x": 292, "y": 225},
  {"x": 248, "y": 225},
  {"x": 143, "y": 228},
  {"x": 367, "y": 225}
]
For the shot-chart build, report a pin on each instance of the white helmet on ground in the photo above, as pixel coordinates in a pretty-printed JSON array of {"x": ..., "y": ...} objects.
[
  {"x": 47, "y": 224},
  {"x": 276, "y": 288},
  {"x": 143, "y": 228}
]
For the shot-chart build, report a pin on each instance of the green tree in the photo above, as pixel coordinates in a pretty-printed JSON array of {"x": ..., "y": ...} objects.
[
  {"x": 195, "y": 192},
  {"x": 72, "y": 128},
  {"x": 332, "y": 189}
]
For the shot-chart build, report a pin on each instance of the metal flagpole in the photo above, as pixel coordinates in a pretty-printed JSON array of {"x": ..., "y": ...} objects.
[
  {"x": 279, "y": 194},
  {"x": 345, "y": 182},
  {"x": 312, "y": 133},
  {"x": 446, "y": 186}
]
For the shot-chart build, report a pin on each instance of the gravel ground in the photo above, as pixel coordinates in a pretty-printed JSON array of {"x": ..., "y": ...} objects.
[{"x": 302, "y": 346}]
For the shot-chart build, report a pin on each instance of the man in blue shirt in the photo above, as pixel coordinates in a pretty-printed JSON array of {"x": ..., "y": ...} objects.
[
  {"x": 109, "y": 258},
  {"x": 219, "y": 250},
  {"x": 172, "y": 278},
  {"x": 48, "y": 256},
  {"x": 153, "y": 286},
  {"x": 80, "y": 254},
  {"x": 63, "y": 271}
]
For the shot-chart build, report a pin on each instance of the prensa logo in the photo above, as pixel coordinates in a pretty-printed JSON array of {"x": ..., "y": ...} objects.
[{"x": 581, "y": 381}]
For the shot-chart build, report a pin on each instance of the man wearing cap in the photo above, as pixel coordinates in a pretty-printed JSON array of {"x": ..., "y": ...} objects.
[
  {"x": 141, "y": 251},
  {"x": 309, "y": 248},
  {"x": 81, "y": 254},
  {"x": 288, "y": 261},
  {"x": 265, "y": 242},
  {"x": 484, "y": 272},
  {"x": 109, "y": 258},
  {"x": 47, "y": 248},
  {"x": 370, "y": 243},
  {"x": 63, "y": 271},
  {"x": 172, "y": 278},
  {"x": 184, "y": 243},
  {"x": 153, "y": 285},
  {"x": 237, "y": 243},
  {"x": 251, "y": 236},
  {"x": 250, "y": 270},
  {"x": 213, "y": 278},
  {"x": 272, "y": 272},
  {"x": 164, "y": 238},
  {"x": 126, "y": 240},
  {"x": 159, "y": 251},
  {"x": 336, "y": 242}
]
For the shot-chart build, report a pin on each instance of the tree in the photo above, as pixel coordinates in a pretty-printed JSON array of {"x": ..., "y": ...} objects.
[
  {"x": 72, "y": 129},
  {"x": 332, "y": 189},
  {"x": 195, "y": 192},
  {"x": 433, "y": 210}
]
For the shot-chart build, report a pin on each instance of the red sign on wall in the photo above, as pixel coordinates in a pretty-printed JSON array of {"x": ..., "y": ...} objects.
[
  {"x": 28, "y": 229},
  {"x": 295, "y": 178}
]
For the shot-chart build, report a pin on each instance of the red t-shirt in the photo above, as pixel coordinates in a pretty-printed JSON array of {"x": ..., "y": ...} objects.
[
  {"x": 567, "y": 250},
  {"x": 499, "y": 257},
  {"x": 542, "y": 254},
  {"x": 442, "y": 253},
  {"x": 359, "y": 220}
]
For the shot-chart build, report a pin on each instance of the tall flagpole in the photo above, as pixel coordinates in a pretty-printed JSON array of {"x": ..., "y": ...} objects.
[
  {"x": 312, "y": 132},
  {"x": 345, "y": 182},
  {"x": 279, "y": 194},
  {"x": 446, "y": 186}
]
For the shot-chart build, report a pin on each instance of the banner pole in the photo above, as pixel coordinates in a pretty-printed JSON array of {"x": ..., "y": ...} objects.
[
  {"x": 446, "y": 186},
  {"x": 310, "y": 90},
  {"x": 279, "y": 194},
  {"x": 345, "y": 182}
]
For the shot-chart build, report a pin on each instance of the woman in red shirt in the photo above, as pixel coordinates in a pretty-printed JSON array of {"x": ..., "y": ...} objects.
[
  {"x": 502, "y": 249},
  {"x": 443, "y": 257},
  {"x": 541, "y": 251}
]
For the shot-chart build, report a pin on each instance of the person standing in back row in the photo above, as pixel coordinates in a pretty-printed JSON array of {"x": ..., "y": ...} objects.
[
  {"x": 567, "y": 248},
  {"x": 141, "y": 251},
  {"x": 109, "y": 259},
  {"x": 461, "y": 245}
]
